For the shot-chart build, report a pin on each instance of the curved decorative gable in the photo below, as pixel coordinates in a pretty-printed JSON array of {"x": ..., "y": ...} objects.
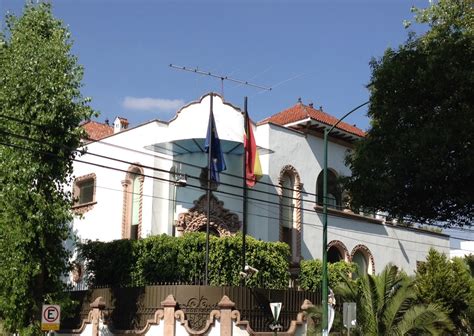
[
  {"x": 225, "y": 222},
  {"x": 192, "y": 120}
]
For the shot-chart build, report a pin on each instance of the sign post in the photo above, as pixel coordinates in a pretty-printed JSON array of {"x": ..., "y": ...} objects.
[
  {"x": 275, "y": 307},
  {"x": 349, "y": 313},
  {"x": 50, "y": 317}
]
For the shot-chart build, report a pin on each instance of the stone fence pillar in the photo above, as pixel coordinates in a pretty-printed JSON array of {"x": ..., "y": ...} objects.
[{"x": 96, "y": 314}]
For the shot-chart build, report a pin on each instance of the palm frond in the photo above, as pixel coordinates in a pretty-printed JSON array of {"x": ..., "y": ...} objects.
[
  {"x": 423, "y": 318},
  {"x": 403, "y": 297}
]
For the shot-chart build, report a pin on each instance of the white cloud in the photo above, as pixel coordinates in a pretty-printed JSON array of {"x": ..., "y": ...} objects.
[{"x": 152, "y": 104}]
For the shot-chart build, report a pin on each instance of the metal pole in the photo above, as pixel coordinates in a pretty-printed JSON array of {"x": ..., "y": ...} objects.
[
  {"x": 244, "y": 185},
  {"x": 221, "y": 77},
  {"x": 209, "y": 160},
  {"x": 276, "y": 321},
  {"x": 324, "y": 299}
]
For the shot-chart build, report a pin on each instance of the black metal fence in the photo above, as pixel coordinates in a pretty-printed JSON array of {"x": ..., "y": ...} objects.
[{"x": 130, "y": 308}]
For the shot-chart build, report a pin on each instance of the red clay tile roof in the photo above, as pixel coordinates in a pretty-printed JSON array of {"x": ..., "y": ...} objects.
[
  {"x": 124, "y": 121},
  {"x": 301, "y": 112},
  {"x": 96, "y": 130}
]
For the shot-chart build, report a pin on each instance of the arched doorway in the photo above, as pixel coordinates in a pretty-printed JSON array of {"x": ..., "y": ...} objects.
[{"x": 337, "y": 251}]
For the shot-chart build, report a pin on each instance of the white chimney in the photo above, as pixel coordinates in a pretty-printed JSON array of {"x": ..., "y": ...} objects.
[{"x": 120, "y": 124}]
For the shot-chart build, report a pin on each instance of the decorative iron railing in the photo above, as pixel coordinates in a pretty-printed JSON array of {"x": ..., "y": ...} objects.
[{"x": 129, "y": 308}]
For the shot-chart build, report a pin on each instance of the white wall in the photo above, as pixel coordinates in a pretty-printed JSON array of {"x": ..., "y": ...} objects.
[
  {"x": 387, "y": 243},
  {"x": 304, "y": 152},
  {"x": 104, "y": 221}
]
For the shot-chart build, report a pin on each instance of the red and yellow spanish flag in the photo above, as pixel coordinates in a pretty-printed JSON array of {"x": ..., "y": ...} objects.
[{"x": 253, "y": 169}]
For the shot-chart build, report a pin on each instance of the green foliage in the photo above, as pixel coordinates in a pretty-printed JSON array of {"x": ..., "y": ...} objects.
[
  {"x": 386, "y": 305},
  {"x": 271, "y": 259},
  {"x": 417, "y": 156},
  {"x": 191, "y": 257},
  {"x": 447, "y": 283},
  {"x": 155, "y": 260},
  {"x": 469, "y": 260},
  {"x": 111, "y": 263},
  {"x": 39, "y": 87},
  {"x": 311, "y": 273},
  {"x": 164, "y": 258}
]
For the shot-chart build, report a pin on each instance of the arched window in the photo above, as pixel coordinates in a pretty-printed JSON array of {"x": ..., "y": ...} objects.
[
  {"x": 334, "y": 255},
  {"x": 333, "y": 191},
  {"x": 136, "y": 210},
  {"x": 290, "y": 210},
  {"x": 364, "y": 260},
  {"x": 360, "y": 260},
  {"x": 132, "y": 203},
  {"x": 337, "y": 251}
]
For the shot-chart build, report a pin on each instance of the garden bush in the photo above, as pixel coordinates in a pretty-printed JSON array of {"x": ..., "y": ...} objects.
[
  {"x": 166, "y": 259},
  {"x": 311, "y": 273}
]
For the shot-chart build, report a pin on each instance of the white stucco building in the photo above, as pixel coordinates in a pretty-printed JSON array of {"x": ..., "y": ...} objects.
[{"x": 130, "y": 184}]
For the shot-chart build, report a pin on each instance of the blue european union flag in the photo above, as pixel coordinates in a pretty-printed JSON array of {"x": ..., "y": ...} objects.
[{"x": 217, "y": 163}]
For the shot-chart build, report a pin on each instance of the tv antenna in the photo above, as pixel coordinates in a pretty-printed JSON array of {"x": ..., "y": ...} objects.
[{"x": 221, "y": 77}]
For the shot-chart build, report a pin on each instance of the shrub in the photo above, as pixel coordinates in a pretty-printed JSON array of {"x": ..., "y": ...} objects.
[
  {"x": 447, "y": 283},
  {"x": 154, "y": 260},
  {"x": 182, "y": 259},
  {"x": 311, "y": 274},
  {"x": 108, "y": 263}
]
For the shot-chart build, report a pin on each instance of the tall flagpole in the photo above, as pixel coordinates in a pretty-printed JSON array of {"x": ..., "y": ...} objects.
[
  {"x": 244, "y": 186},
  {"x": 209, "y": 162}
]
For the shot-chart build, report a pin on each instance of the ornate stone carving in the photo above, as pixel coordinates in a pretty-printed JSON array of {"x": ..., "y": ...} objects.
[
  {"x": 77, "y": 272},
  {"x": 223, "y": 221}
]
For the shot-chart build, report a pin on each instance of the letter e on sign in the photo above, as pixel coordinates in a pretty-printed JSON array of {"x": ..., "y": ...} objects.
[{"x": 50, "y": 317}]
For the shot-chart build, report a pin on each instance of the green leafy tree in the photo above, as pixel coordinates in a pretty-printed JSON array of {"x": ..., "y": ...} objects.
[
  {"x": 387, "y": 305},
  {"x": 447, "y": 283},
  {"x": 40, "y": 109},
  {"x": 417, "y": 158}
]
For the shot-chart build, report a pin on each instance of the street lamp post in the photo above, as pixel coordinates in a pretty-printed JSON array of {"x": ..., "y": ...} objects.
[{"x": 324, "y": 299}]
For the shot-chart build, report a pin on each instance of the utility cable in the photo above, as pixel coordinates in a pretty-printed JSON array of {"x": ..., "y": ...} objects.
[
  {"x": 175, "y": 161},
  {"x": 267, "y": 217},
  {"x": 159, "y": 170}
]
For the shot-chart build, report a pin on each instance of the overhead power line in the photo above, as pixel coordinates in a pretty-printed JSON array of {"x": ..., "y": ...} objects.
[
  {"x": 183, "y": 163},
  {"x": 152, "y": 155},
  {"x": 202, "y": 188}
]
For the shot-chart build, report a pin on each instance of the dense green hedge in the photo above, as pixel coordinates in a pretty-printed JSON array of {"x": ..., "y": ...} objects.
[
  {"x": 311, "y": 273},
  {"x": 161, "y": 259}
]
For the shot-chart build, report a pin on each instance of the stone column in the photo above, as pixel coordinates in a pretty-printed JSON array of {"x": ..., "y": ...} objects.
[
  {"x": 169, "y": 305},
  {"x": 225, "y": 305},
  {"x": 97, "y": 307},
  {"x": 305, "y": 307}
]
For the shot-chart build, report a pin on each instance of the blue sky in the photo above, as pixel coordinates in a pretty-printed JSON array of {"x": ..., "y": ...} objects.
[{"x": 317, "y": 50}]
